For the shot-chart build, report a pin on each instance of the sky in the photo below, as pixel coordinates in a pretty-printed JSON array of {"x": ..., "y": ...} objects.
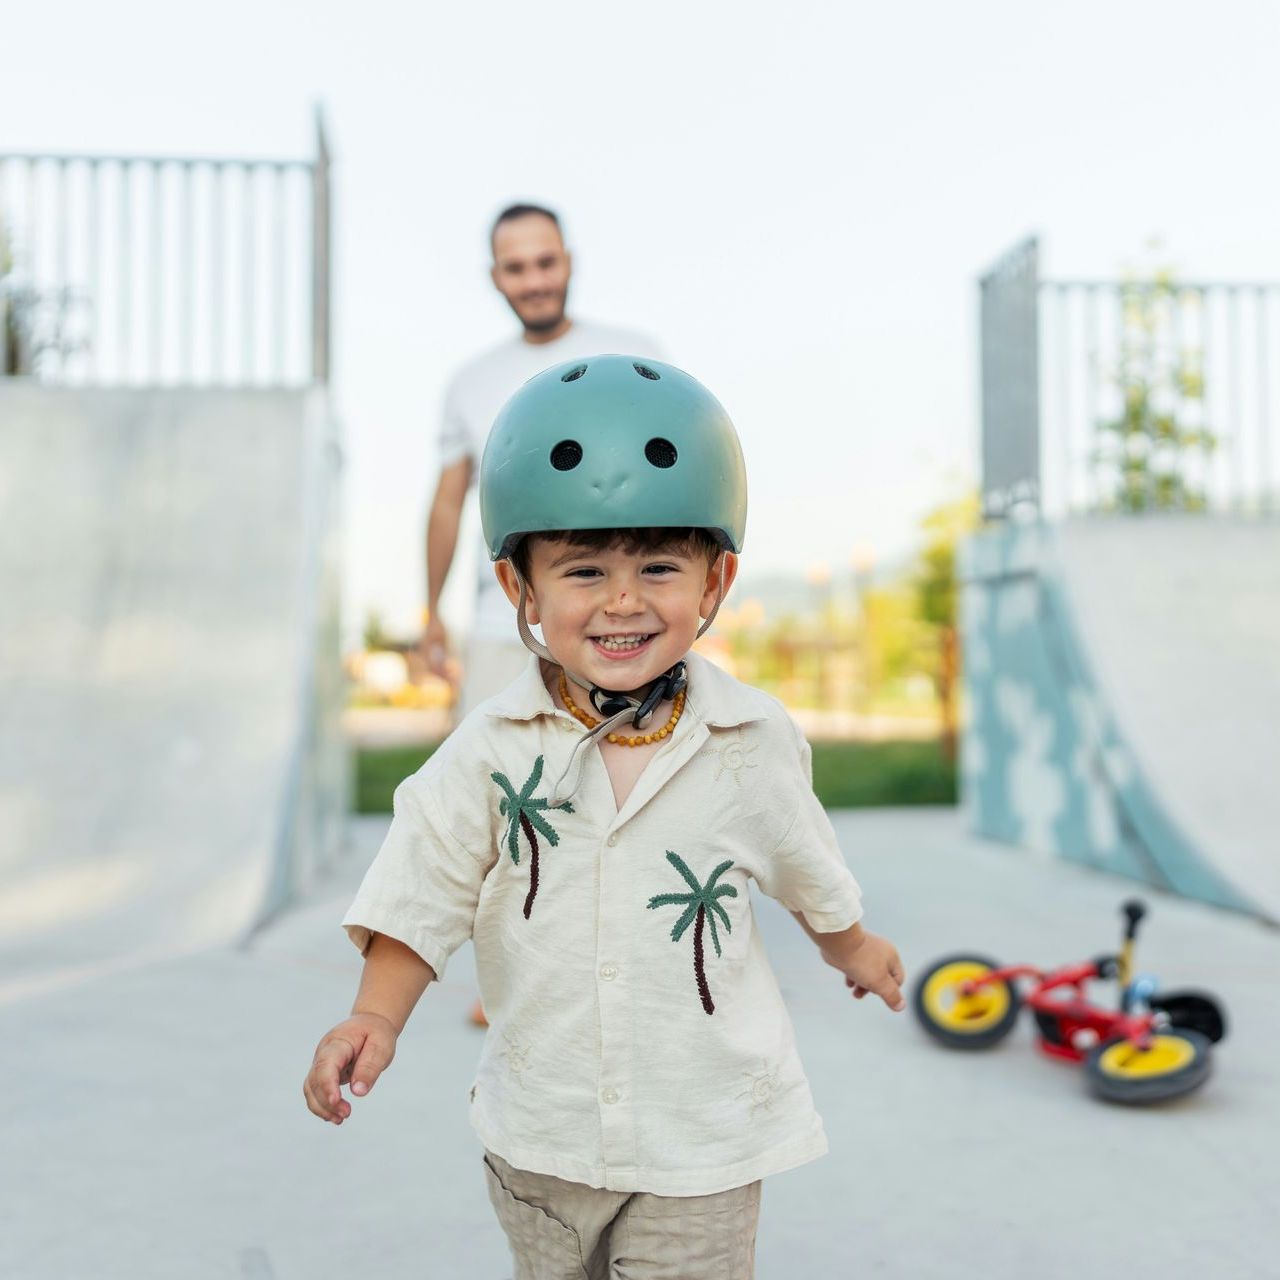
[{"x": 795, "y": 202}]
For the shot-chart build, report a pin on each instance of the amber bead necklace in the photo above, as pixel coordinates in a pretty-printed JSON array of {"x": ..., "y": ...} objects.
[{"x": 639, "y": 740}]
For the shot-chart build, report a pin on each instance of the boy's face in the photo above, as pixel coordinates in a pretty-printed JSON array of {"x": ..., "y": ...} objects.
[{"x": 617, "y": 618}]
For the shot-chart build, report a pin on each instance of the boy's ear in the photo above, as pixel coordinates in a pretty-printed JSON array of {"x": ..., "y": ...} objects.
[
  {"x": 713, "y": 581},
  {"x": 510, "y": 584}
]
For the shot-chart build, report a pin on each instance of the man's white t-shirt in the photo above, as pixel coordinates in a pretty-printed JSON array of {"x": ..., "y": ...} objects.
[{"x": 478, "y": 390}]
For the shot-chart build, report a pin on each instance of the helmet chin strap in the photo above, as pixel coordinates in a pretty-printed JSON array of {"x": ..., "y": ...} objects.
[{"x": 616, "y": 708}]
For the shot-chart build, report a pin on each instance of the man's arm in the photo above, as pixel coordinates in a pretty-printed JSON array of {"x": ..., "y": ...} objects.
[{"x": 442, "y": 540}]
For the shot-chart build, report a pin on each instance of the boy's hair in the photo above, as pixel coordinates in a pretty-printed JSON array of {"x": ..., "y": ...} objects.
[{"x": 688, "y": 542}]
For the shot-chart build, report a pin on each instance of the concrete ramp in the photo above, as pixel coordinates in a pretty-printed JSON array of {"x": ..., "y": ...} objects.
[
  {"x": 171, "y": 769},
  {"x": 1124, "y": 679}
]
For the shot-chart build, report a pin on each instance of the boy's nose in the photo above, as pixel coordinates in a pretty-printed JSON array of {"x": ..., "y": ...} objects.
[{"x": 625, "y": 602}]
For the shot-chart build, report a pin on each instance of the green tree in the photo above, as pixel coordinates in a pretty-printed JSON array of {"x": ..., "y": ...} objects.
[
  {"x": 701, "y": 906},
  {"x": 1147, "y": 451},
  {"x": 889, "y": 634},
  {"x": 935, "y": 587},
  {"x": 36, "y": 325},
  {"x": 10, "y": 336},
  {"x": 375, "y": 633},
  {"x": 523, "y": 812}
]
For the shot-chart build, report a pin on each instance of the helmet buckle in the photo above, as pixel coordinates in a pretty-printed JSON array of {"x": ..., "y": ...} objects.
[{"x": 664, "y": 688}]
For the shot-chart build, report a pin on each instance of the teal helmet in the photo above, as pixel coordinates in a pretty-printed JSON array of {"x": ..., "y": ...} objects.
[{"x": 612, "y": 442}]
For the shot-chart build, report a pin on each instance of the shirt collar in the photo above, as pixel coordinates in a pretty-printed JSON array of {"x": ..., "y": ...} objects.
[
  {"x": 525, "y": 698},
  {"x": 717, "y": 699}
]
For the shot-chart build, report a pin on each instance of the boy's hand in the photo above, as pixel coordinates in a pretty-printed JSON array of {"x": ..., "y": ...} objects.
[
  {"x": 870, "y": 963},
  {"x": 355, "y": 1052}
]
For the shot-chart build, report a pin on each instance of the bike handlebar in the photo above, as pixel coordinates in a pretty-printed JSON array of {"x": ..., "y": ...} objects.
[{"x": 1133, "y": 910}]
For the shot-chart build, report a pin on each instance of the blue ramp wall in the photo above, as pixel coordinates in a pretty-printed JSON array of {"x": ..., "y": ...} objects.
[{"x": 1044, "y": 764}]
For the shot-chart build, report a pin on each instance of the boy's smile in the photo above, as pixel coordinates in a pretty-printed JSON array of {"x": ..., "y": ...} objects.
[
  {"x": 621, "y": 646},
  {"x": 614, "y": 617}
]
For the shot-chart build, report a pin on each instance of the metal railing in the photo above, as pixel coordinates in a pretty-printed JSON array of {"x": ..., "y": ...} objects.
[
  {"x": 1148, "y": 394},
  {"x": 162, "y": 270},
  {"x": 1010, "y": 380}
]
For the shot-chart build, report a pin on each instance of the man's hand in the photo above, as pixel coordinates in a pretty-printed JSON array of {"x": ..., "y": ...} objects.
[
  {"x": 435, "y": 647},
  {"x": 870, "y": 964},
  {"x": 355, "y": 1052},
  {"x": 442, "y": 537}
]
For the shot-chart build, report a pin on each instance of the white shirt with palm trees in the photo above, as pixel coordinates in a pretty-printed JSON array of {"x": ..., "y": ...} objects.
[{"x": 638, "y": 1040}]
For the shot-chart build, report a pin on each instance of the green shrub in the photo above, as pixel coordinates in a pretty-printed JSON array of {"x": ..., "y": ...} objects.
[{"x": 846, "y": 775}]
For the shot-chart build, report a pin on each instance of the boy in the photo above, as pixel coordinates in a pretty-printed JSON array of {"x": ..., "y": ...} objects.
[{"x": 594, "y": 830}]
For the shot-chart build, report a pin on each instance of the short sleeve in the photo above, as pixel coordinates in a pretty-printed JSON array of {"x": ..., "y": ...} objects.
[
  {"x": 454, "y": 440},
  {"x": 807, "y": 872},
  {"x": 423, "y": 886}
]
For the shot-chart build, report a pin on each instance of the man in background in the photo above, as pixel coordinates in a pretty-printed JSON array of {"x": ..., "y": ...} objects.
[{"x": 531, "y": 269}]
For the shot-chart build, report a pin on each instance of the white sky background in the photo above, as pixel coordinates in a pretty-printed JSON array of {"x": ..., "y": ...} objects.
[{"x": 795, "y": 205}]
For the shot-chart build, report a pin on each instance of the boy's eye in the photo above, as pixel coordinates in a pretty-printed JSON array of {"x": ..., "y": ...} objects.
[
  {"x": 583, "y": 573},
  {"x": 661, "y": 569}
]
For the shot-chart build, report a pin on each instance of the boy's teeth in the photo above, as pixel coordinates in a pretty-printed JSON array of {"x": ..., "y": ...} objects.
[{"x": 621, "y": 642}]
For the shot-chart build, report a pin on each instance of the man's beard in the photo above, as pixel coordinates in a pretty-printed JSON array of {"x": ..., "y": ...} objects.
[{"x": 551, "y": 321}]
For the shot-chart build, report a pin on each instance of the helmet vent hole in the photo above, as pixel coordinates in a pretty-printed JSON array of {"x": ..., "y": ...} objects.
[
  {"x": 660, "y": 452},
  {"x": 572, "y": 376},
  {"x": 645, "y": 372},
  {"x": 566, "y": 455}
]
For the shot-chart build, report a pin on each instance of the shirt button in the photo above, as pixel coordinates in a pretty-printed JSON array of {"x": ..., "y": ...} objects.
[
  {"x": 568, "y": 724},
  {"x": 609, "y": 1096},
  {"x": 612, "y": 840},
  {"x": 608, "y": 972}
]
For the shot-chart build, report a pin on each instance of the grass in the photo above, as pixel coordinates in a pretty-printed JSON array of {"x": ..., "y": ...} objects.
[
  {"x": 861, "y": 775},
  {"x": 379, "y": 771},
  {"x": 846, "y": 775}
]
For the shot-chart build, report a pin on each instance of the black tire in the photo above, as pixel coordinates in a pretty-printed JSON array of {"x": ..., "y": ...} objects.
[
  {"x": 986, "y": 1030},
  {"x": 1142, "y": 1090},
  {"x": 1193, "y": 1011}
]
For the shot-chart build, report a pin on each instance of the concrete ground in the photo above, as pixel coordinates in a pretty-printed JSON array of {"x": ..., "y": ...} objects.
[{"x": 155, "y": 1126}]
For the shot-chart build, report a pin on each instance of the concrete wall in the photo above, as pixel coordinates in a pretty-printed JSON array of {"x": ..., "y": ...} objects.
[
  {"x": 170, "y": 765},
  {"x": 1124, "y": 699}
]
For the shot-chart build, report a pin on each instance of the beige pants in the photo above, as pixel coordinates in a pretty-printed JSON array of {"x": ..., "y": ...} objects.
[{"x": 566, "y": 1231}]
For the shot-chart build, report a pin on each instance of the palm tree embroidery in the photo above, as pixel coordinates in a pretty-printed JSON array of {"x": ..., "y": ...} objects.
[
  {"x": 700, "y": 905},
  {"x": 523, "y": 812}
]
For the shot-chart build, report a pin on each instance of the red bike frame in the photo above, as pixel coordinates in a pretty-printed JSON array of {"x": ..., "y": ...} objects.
[{"x": 1072, "y": 1012}]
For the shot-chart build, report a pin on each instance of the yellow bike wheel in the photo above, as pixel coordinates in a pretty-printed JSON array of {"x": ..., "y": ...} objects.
[
  {"x": 1176, "y": 1061},
  {"x": 976, "y": 1020}
]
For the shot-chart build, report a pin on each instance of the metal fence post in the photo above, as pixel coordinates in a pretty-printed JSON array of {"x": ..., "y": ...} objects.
[
  {"x": 1010, "y": 355},
  {"x": 320, "y": 246}
]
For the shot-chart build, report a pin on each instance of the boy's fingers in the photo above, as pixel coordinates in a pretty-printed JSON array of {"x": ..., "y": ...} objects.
[
  {"x": 312, "y": 1105},
  {"x": 315, "y": 1091},
  {"x": 889, "y": 989},
  {"x": 332, "y": 1058},
  {"x": 375, "y": 1056},
  {"x": 315, "y": 1105},
  {"x": 891, "y": 994}
]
